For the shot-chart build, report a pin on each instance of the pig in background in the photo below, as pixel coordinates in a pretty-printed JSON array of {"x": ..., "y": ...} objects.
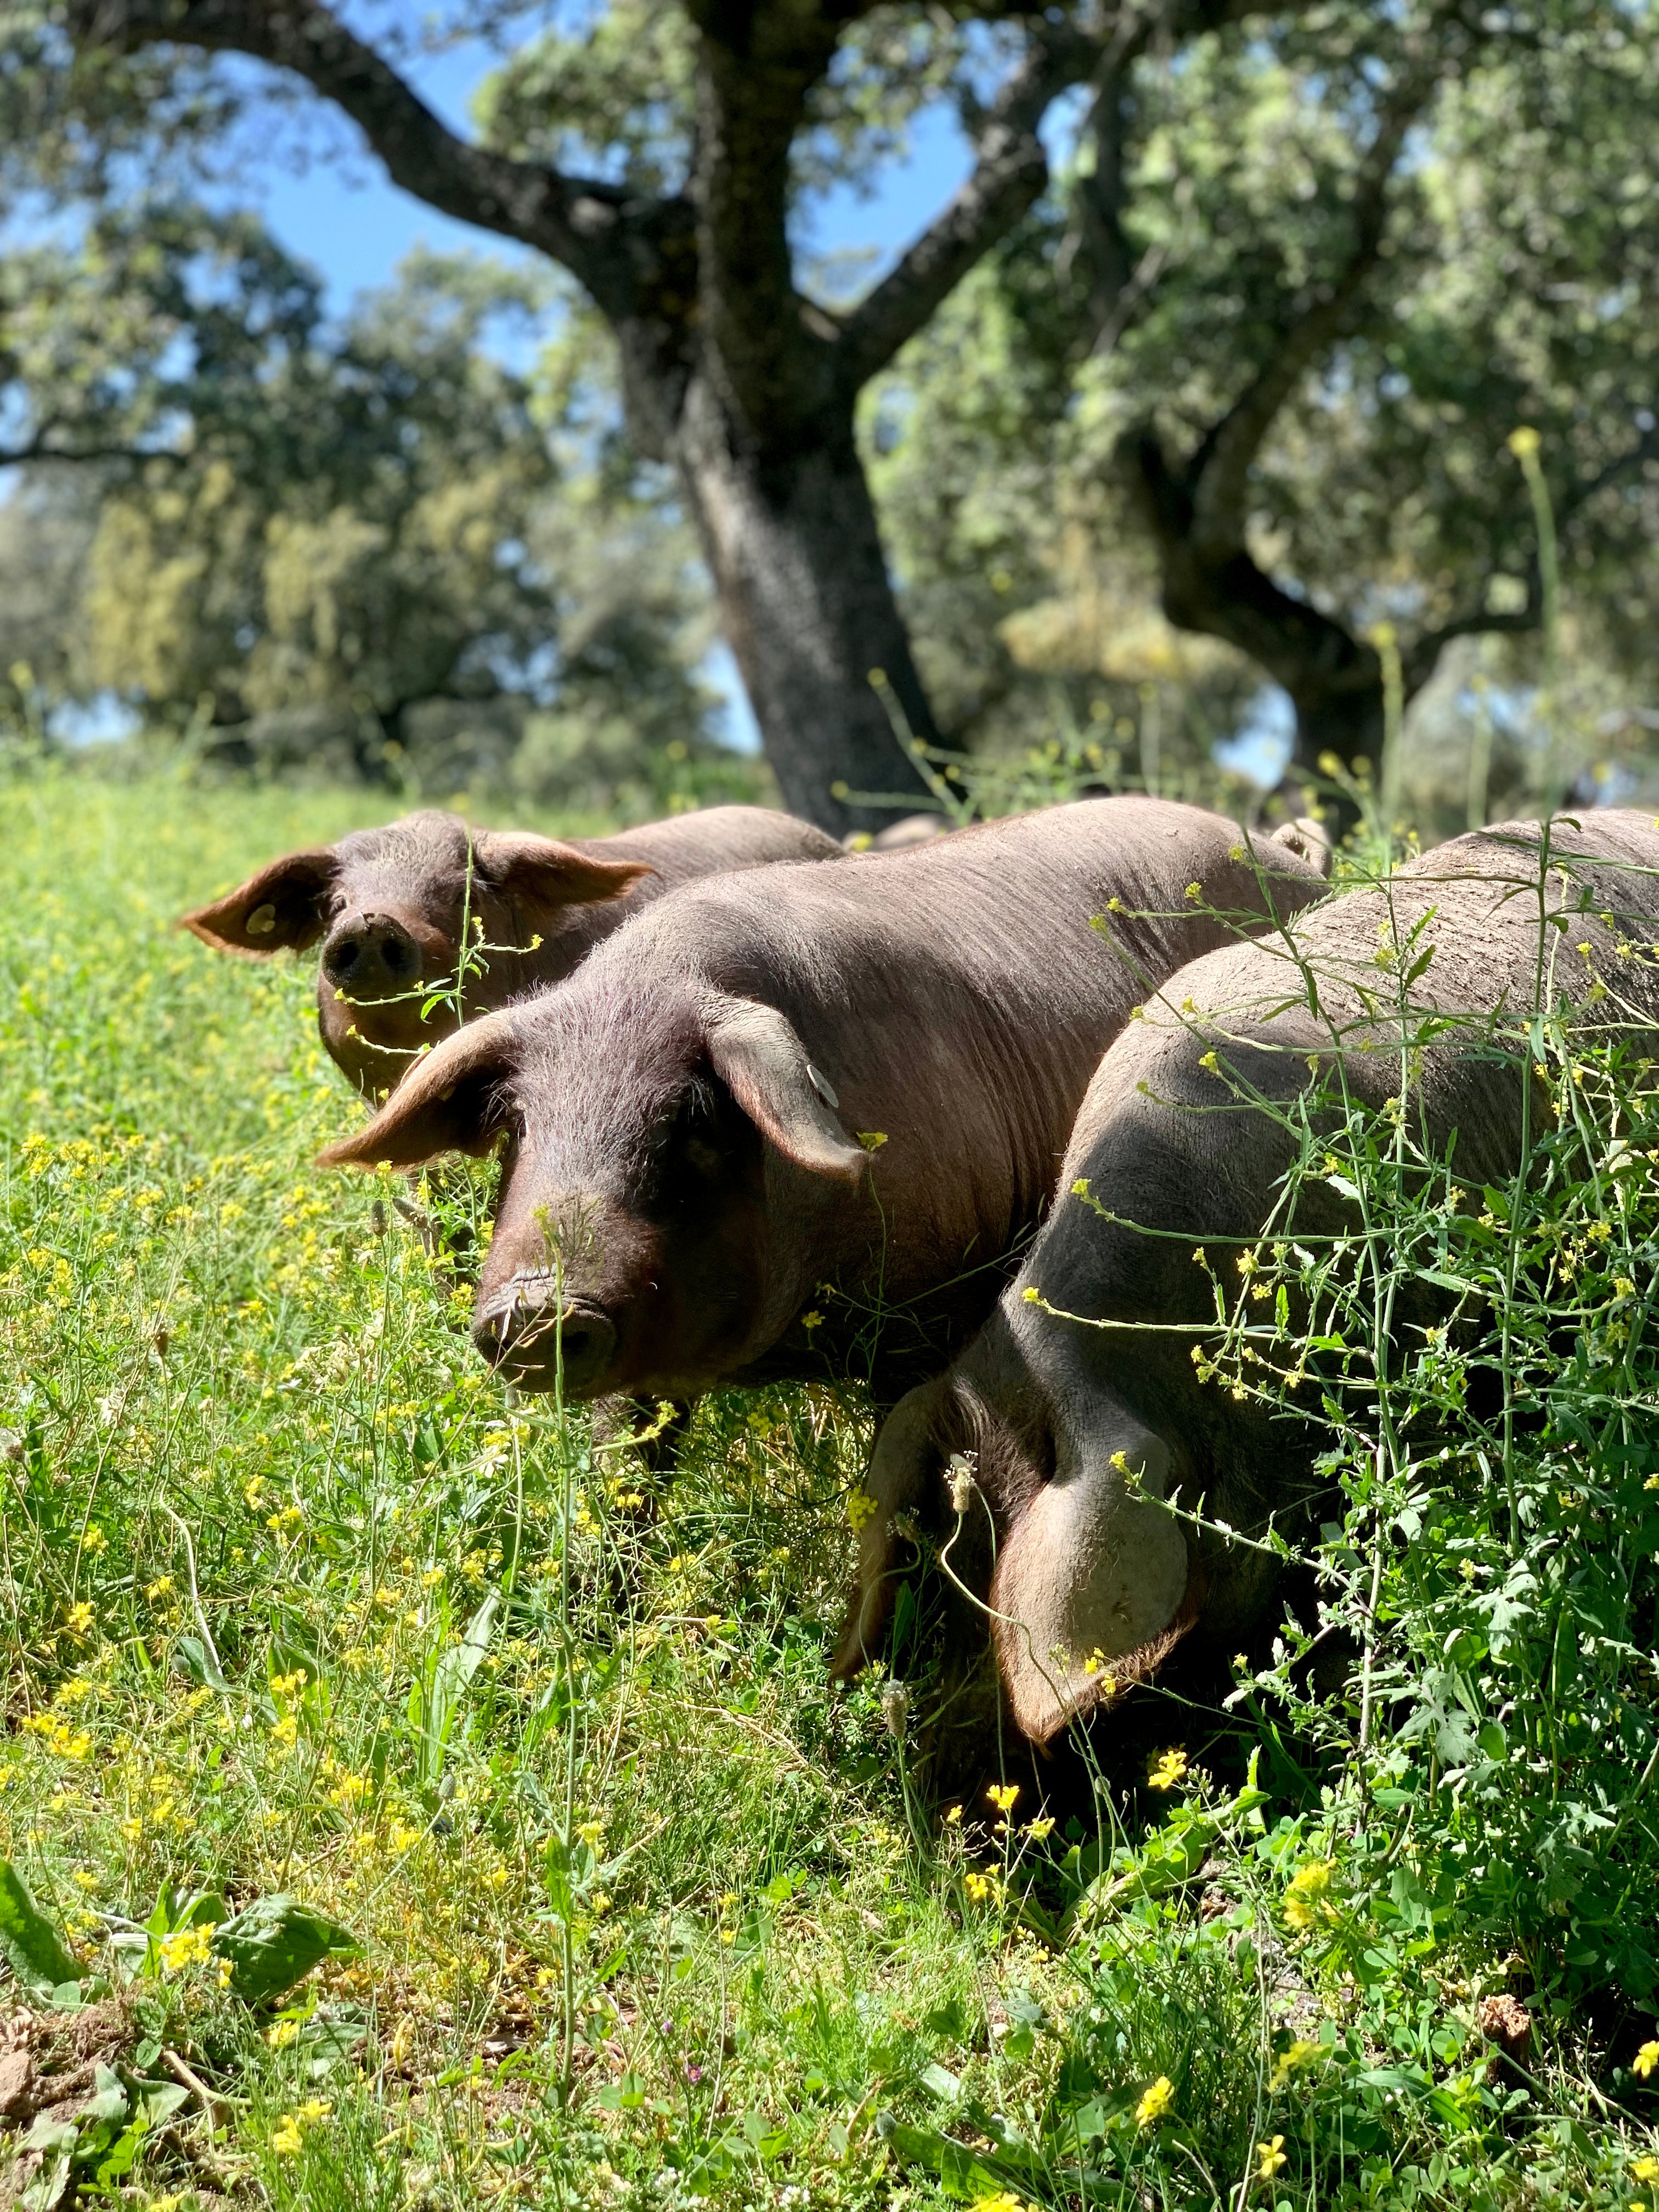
[
  {"x": 1062, "y": 1441},
  {"x": 390, "y": 905},
  {"x": 796, "y": 1122}
]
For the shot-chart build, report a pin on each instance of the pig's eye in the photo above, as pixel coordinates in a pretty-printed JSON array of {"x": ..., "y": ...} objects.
[{"x": 703, "y": 1158}]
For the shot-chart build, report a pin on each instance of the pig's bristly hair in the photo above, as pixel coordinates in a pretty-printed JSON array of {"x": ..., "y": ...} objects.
[
  {"x": 621, "y": 1063},
  {"x": 419, "y": 860}
]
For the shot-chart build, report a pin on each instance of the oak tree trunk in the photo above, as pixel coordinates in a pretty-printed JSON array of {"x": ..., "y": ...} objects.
[
  {"x": 1349, "y": 723},
  {"x": 807, "y": 606}
]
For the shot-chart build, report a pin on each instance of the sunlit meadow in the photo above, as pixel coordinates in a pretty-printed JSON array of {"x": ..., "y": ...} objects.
[{"x": 623, "y": 1905}]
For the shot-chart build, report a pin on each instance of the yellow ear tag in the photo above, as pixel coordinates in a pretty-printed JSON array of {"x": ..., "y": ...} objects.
[{"x": 261, "y": 922}]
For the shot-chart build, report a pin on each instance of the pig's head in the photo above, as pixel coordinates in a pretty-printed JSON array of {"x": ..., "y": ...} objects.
[
  {"x": 390, "y": 907},
  {"x": 1090, "y": 1584},
  {"x": 653, "y": 1140}
]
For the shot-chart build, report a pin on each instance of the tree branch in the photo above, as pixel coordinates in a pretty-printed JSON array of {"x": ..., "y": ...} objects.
[
  {"x": 1313, "y": 655},
  {"x": 1421, "y": 658},
  {"x": 30, "y": 456},
  {"x": 1220, "y": 471},
  {"x": 1011, "y": 172},
  {"x": 1115, "y": 278},
  {"x": 574, "y": 220}
]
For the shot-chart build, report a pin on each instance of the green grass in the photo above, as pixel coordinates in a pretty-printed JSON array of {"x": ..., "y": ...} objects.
[{"x": 648, "y": 1915}]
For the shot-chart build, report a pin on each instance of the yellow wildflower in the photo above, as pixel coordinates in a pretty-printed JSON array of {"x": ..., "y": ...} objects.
[
  {"x": 1645, "y": 2060},
  {"x": 1270, "y": 2157},
  {"x": 1297, "y": 2054},
  {"x": 1306, "y": 1902},
  {"x": 1002, "y": 1795},
  {"x": 860, "y": 1509},
  {"x": 189, "y": 1947},
  {"x": 1039, "y": 1831},
  {"x": 1168, "y": 1769},
  {"x": 1155, "y": 2102}
]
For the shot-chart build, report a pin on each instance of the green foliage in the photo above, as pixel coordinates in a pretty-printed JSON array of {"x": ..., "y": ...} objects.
[
  {"x": 275, "y": 1942},
  {"x": 367, "y": 551},
  {"x": 1494, "y": 1561},
  {"x": 1509, "y": 289},
  {"x": 31, "y": 1945},
  {"x": 299, "y": 1614}
]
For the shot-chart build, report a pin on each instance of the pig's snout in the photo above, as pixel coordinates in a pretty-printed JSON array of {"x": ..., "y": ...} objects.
[
  {"x": 530, "y": 1339},
  {"x": 370, "y": 956}
]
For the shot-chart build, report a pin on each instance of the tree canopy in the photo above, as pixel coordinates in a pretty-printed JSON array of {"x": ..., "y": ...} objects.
[
  {"x": 1263, "y": 356},
  {"x": 1205, "y": 375},
  {"x": 306, "y": 537}
]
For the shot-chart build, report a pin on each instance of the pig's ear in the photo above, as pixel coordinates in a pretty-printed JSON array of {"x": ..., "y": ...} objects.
[
  {"x": 1308, "y": 840},
  {"x": 541, "y": 872},
  {"x": 285, "y": 904},
  {"x": 1089, "y": 1589},
  {"x": 756, "y": 1053},
  {"x": 900, "y": 1478},
  {"x": 452, "y": 1100}
]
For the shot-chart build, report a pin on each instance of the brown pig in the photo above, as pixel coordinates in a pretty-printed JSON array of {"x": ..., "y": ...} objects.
[
  {"x": 796, "y": 1122},
  {"x": 1062, "y": 1445},
  {"x": 391, "y": 906}
]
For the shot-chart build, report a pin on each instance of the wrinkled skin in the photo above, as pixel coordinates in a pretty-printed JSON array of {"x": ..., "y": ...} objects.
[
  {"x": 390, "y": 906},
  {"x": 797, "y": 1123},
  {"x": 1063, "y": 1439}
]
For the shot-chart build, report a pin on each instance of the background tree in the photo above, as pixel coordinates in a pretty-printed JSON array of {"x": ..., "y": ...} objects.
[
  {"x": 656, "y": 155},
  {"x": 1262, "y": 349},
  {"x": 364, "y": 547}
]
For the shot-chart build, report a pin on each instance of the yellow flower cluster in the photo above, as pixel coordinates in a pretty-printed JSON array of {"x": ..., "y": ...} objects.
[
  {"x": 190, "y": 1947},
  {"x": 288, "y": 2137},
  {"x": 1307, "y": 1902},
  {"x": 1155, "y": 2102},
  {"x": 59, "y": 1736},
  {"x": 860, "y": 1511},
  {"x": 1168, "y": 1769},
  {"x": 1291, "y": 2060}
]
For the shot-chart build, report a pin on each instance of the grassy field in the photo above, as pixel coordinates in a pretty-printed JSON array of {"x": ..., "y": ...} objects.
[{"x": 625, "y": 1905}]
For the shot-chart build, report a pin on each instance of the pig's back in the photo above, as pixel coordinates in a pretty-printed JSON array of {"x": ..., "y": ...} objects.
[
  {"x": 714, "y": 839},
  {"x": 1475, "y": 900},
  {"x": 1003, "y": 911}
]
